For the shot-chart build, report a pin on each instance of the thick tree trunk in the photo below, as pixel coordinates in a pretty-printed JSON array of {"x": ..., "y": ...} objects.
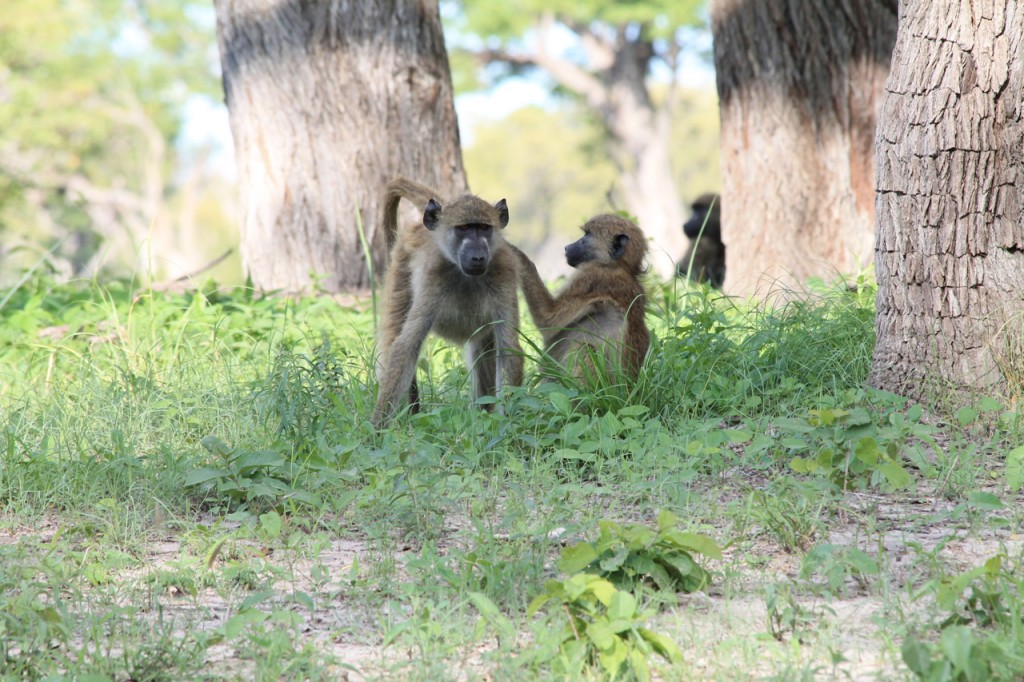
[
  {"x": 327, "y": 101},
  {"x": 950, "y": 254},
  {"x": 798, "y": 82}
]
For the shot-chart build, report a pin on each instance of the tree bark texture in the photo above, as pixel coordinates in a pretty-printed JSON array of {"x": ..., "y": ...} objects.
[
  {"x": 328, "y": 100},
  {"x": 950, "y": 253},
  {"x": 799, "y": 82}
]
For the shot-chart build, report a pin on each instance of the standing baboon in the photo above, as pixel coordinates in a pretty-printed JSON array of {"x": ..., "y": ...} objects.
[
  {"x": 704, "y": 261},
  {"x": 603, "y": 303},
  {"x": 454, "y": 275}
]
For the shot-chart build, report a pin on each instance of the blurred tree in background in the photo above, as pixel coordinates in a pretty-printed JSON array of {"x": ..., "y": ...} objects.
[
  {"x": 604, "y": 54},
  {"x": 799, "y": 82},
  {"x": 101, "y": 169},
  {"x": 553, "y": 168},
  {"x": 92, "y": 100}
]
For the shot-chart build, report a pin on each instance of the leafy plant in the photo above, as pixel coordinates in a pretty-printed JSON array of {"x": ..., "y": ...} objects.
[
  {"x": 963, "y": 654},
  {"x": 858, "y": 447},
  {"x": 786, "y": 614},
  {"x": 252, "y": 476},
  {"x": 837, "y": 564},
  {"x": 627, "y": 554},
  {"x": 604, "y": 628},
  {"x": 791, "y": 511},
  {"x": 983, "y": 636}
]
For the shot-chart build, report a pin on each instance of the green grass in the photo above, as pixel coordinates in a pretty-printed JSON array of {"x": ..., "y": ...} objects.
[{"x": 191, "y": 489}]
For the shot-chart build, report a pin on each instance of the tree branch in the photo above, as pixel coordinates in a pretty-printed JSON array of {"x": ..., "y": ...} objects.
[{"x": 567, "y": 74}]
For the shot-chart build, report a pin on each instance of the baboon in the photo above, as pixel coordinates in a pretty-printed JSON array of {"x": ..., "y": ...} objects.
[
  {"x": 456, "y": 276},
  {"x": 603, "y": 303},
  {"x": 706, "y": 251}
]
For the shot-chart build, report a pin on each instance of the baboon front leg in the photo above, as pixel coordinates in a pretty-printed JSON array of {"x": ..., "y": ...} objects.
[
  {"x": 509, "y": 354},
  {"x": 482, "y": 362},
  {"x": 399, "y": 373}
]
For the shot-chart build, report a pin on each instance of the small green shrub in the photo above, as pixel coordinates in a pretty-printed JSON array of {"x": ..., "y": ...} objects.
[
  {"x": 865, "y": 446},
  {"x": 605, "y": 628},
  {"x": 982, "y": 638},
  {"x": 627, "y": 554}
]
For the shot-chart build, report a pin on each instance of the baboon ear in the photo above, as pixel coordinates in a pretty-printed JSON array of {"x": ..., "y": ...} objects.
[
  {"x": 502, "y": 212},
  {"x": 619, "y": 246},
  {"x": 432, "y": 215}
]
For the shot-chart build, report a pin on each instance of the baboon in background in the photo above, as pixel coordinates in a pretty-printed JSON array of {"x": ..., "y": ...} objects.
[
  {"x": 706, "y": 248},
  {"x": 454, "y": 275},
  {"x": 603, "y": 303}
]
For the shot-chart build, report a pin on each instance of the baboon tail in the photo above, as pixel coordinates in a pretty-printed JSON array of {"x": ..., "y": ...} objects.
[{"x": 398, "y": 189}]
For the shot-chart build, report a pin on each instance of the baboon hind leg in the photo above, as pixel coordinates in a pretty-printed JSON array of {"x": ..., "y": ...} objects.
[{"x": 414, "y": 397}]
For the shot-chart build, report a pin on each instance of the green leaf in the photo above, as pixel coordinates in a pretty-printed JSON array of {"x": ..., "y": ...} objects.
[
  {"x": 866, "y": 451},
  {"x": 989, "y": 404},
  {"x": 204, "y": 475},
  {"x": 738, "y": 435},
  {"x": 898, "y": 477},
  {"x": 638, "y": 663},
  {"x": 664, "y": 646},
  {"x": 491, "y": 613},
  {"x": 917, "y": 657},
  {"x": 983, "y": 500},
  {"x": 633, "y": 411},
  {"x": 862, "y": 562},
  {"x": 216, "y": 446},
  {"x": 256, "y": 598},
  {"x": 802, "y": 465},
  {"x": 701, "y": 544},
  {"x": 270, "y": 523},
  {"x": 303, "y": 599},
  {"x": 614, "y": 656},
  {"x": 560, "y": 402},
  {"x": 966, "y": 415},
  {"x": 576, "y": 558},
  {"x": 956, "y": 642},
  {"x": 615, "y": 561},
  {"x": 601, "y": 635},
  {"x": 260, "y": 458},
  {"x": 622, "y": 606},
  {"x": 1015, "y": 468},
  {"x": 667, "y": 520},
  {"x": 538, "y": 601},
  {"x": 602, "y": 589}
]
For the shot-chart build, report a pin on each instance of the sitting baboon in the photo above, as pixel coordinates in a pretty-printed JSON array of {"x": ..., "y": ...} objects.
[
  {"x": 602, "y": 304},
  {"x": 455, "y": 275},
  {"x": 704, "y": 260}
]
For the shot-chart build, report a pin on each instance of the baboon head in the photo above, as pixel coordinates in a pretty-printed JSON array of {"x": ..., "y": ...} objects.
[
  {"x": 467, "y": 231},
  {"x": 706, "y": 216},
  {"x": 609, "y": 239}
]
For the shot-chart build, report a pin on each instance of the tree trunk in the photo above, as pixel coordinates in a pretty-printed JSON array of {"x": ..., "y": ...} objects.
[
  {"x": 950, "y": 254},
  {"x": 327, "y": 101},
  {"x": 798, "y": 82},
  {"x": 613, "y": 84},
  {"x": 640, "y": 143}
]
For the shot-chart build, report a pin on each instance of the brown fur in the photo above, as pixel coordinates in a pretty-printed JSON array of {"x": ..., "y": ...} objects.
[
  {"x": 427, "y": 288},
  {"x": 603, "y": 302},
  {"x": 704, "y": 260}
]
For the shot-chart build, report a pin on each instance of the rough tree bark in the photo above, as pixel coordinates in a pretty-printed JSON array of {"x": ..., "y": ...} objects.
[
  {"x": 950, "y": 254},
  {"x": 798, "y": 82},
  {"x": 327, "y": 100}
]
